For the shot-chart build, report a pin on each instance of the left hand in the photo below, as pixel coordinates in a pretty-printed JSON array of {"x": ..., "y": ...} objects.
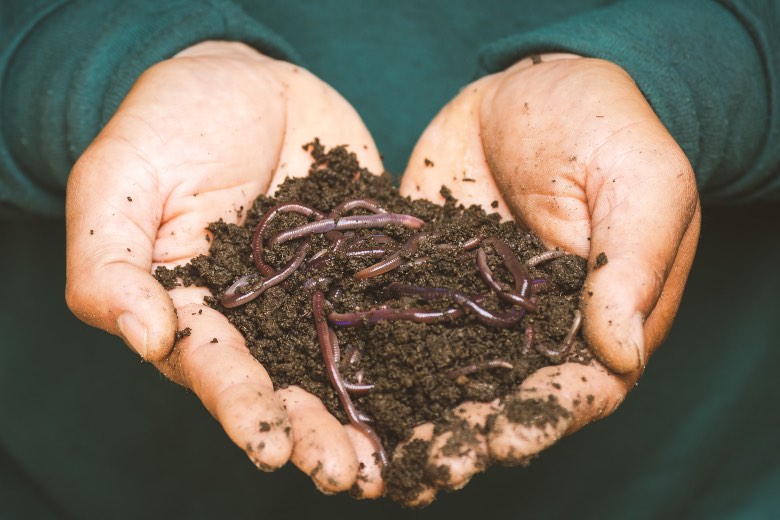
[
  {"x": 571, "y": 149},
  {"x": 197, "y": 138}
]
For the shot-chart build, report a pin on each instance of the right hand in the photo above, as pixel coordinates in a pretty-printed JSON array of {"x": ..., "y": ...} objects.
[
  {"x": 198, "y": 138},
  {"x": 570, "y": 149}
]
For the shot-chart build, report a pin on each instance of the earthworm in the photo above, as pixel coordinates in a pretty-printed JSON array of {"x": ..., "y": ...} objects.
[
  {"x": 359, "y": 388},
  {"x": 465, "y": 246},
  {"x": 410, "y": 247},
  {"x": 413, "y": 263},
  {"x": 505, "y": 319},
  {"x": 468, "y": 245},
  {"x": 529, "y": 339},
  {"x": 508, "y": 296},
  {"x": 372, "y": 252},
  {"x": 318, "y": 260},
  {"x": 518, "y": 271},
  {"x": 544, "y": 257},
  {"x": 310, "y": 283},
  {"x": 331, "y": 368},
  {"x": 349, "y": 205},
  {"x": 342, "y": 223},
  {"x": 338, "y": 240},
  {"x": 257, "y": 237},
  {"x": 334, "y": 346},
  {"x": 394, "y": 260},
  {"x": 539, "y": 284},
  {"x": 351, "y": 356},
  {"x": 370, "y": 317},
  {"x": 557, "y": 354},
  {"x": 231, "y": 299},
  {"x": 470, "y": 369}
]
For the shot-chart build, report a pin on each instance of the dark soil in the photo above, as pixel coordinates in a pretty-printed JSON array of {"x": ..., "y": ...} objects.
[{"x": 408, "y": 362}]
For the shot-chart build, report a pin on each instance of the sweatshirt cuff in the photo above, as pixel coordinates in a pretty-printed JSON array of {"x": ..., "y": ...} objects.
[
  {"x": 69, "y": 72},
  {"x": 694, "y": 62}
]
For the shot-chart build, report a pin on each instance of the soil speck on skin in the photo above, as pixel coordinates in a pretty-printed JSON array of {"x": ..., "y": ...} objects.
[
  {"x": 183, "y": 333},
  {"x": 601, "y": 261},
  {"x": 407, "y": 362}
]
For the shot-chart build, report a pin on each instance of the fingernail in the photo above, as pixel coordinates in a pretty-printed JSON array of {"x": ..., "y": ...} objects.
[
  {"x": 637, "y": 338},
  {"x": 133, "y": 332}
]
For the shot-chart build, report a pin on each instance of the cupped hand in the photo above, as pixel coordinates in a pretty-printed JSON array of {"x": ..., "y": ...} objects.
[
  {"x": 570, "y": 148},
  {"x": 197, "y": 138}
]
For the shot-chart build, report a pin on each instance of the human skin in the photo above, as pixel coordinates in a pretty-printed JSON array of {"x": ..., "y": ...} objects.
[
  {"x": 201, "y": 135},
  {"x": 197, "y": 139},
  {"x": 570, "y": 148}
]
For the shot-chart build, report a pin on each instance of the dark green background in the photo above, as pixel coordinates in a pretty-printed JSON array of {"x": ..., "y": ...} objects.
[
  {"x": 97, "y": 434},
  {"x": 88, "y": 431}
]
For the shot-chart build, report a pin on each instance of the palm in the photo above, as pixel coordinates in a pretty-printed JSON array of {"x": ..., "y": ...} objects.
[
  {"x": 197, "y": 139},
  {"x": 570, "y": 149}
]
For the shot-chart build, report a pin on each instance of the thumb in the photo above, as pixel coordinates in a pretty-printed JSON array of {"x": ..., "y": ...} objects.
[
  {"x": 613, "y": 186},
  {"x": 113, "y": 212},
  {"x": 645, "y": 229}
]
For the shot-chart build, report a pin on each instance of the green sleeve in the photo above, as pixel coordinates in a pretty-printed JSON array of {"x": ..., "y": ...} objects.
[
  {"x": 710, "y": 69},
  {"x": 66, "y": 65}
]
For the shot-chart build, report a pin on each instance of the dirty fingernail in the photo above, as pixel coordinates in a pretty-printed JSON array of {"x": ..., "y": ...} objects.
[{"x": 133, "y": 332}]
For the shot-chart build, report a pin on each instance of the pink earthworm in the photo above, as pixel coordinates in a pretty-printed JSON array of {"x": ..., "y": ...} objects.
[
  {"x": 349, "y": 205},
  {"x": 517, "y": 297},
  {"x": 231, "y": 298},
  {"x": 504, "y": 319},
  {"x": 557, "y": 355},
  {"x": 468, "y": 245},
  {"x": 370, "y": 317},
  {"x": 475, "y": 367},
  {"x": 342, "y": 223},
  {"x": 257, "y": 239},
  {"x": 331, "y": 368},
  {"x": 394, "y": 260},
  {"x": 544, "y": 257}
]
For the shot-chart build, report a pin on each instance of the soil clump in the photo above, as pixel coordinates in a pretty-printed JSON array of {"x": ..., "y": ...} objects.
[{"x": 421, "y": 372}]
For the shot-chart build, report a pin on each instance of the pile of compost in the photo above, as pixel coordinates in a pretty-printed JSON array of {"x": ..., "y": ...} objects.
[{"x": 419, "y": 328}]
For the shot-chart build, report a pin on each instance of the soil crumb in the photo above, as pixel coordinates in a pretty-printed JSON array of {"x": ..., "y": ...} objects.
[{"x": 420, "y": 372}]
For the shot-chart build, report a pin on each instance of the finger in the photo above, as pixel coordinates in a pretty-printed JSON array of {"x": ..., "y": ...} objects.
[
  {"x": 640, "y": 218},
  {"x": 625, "y": 194},
  {"x": 551, "y": 403},
  {"x": 112, "y": 219},
  {"x": 323, "y": 449},
  {"x": 369, "y": 483},
  {"x": 657, "y": 324},
  {"x": 335, "y": 122},
  {"x": 215, "y": 364},
  {"x": 459, "y": 448},
  {"x": 408, "y": 478},
  {"x": 450, "y": 153}
]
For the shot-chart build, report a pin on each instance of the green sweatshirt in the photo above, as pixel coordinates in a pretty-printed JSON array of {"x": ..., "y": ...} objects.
[{"x": 709, "y": 68}]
